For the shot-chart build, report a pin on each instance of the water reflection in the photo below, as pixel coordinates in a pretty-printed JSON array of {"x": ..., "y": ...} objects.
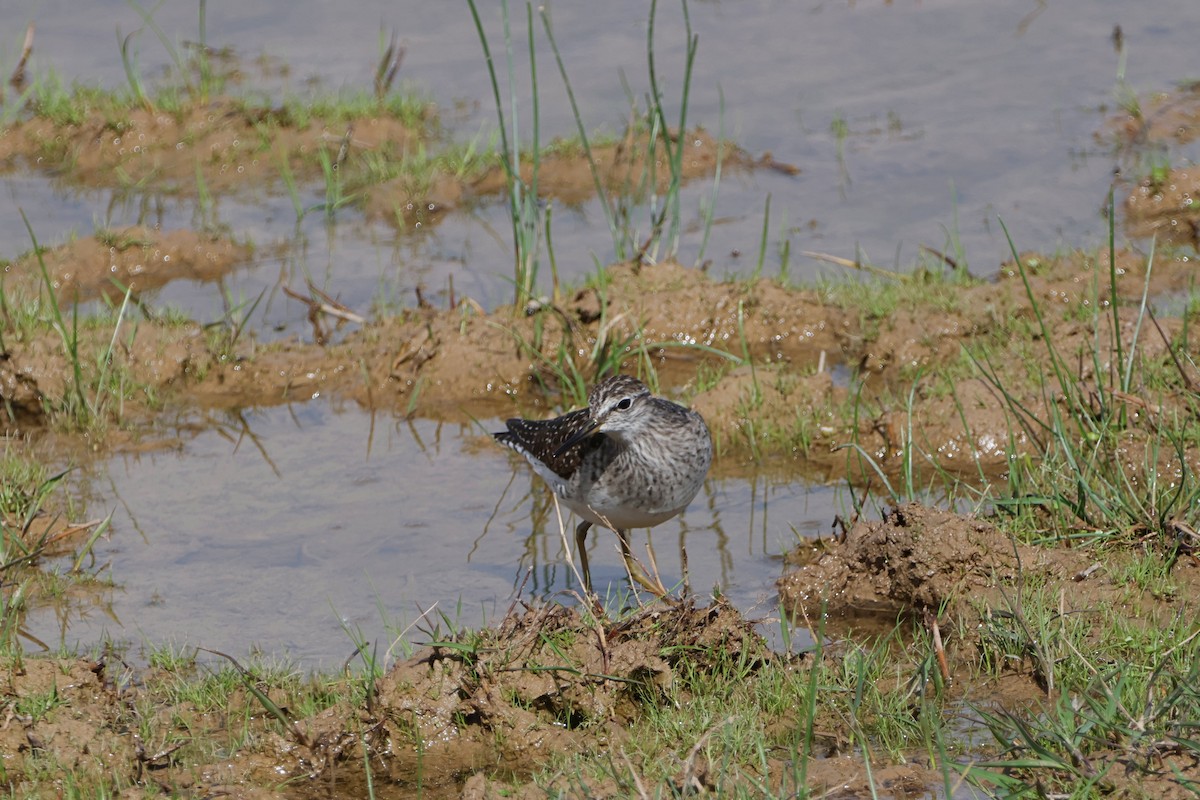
[{"x": 280, "y": 529}]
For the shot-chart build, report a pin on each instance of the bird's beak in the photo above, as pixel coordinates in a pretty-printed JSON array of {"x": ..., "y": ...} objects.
[{"x": 578, "y": 437}]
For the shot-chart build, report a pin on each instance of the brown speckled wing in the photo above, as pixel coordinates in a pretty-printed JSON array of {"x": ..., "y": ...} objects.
[{"x": 538, "y": 439}]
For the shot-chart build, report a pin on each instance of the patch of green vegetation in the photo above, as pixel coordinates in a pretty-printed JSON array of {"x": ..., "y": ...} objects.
[
  {"x": 66, "y": 106},
  {"x": 411, "y": 109},
  {"x": 1105, "y": 465},
  {"x": 1117, "y": 688},
  {"x": 876, "y": 301},
  {"x": 28, "y": 530},
  {"x": 742, "y": 727}
]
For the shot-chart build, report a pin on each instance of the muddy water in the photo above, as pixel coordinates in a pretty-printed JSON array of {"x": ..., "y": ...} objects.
[{"x": 272, "y": 529}]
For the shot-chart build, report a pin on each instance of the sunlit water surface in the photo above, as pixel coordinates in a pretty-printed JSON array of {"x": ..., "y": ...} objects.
[{"x": 298, "y": 530}]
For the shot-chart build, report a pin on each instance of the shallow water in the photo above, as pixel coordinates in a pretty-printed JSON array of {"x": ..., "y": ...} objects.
[{"x": 272, "y": 529}]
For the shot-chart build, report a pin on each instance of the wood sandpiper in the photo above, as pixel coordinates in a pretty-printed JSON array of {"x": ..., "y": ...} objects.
[{"x": 628, "y": 460}]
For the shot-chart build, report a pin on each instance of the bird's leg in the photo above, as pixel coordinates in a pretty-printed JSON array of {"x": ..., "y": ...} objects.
[
  {"x": 581, "y": 531},
  {"x": 654, "y": 587}
]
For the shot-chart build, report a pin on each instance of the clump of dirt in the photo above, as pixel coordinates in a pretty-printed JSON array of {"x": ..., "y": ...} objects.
[
  {"x": 231, "y": 146},
  {"x": 915, "y": 558},
  {"x": 962, "y": 570},
  {"x": 224, "y": 142},
  {"x": 1166, "y": 207},
  {"x": 925, "y": 562},
  {"x": 136, "y": 258},
  {"x": 547, "y": 681},
  {"x": 564, "y": 175},
  {"x": 1165, "y": 116},
  {"x": 1163, "y": 200}
]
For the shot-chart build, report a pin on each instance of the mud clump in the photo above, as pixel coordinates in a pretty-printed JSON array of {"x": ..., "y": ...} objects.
[
  {"x": 546, "y": 681},
  {"x": 135, "y": 258},
  {"x": 1162, "y": 200},
  {"x": 915, "y": 558},
  {"x": 224, "y": 142},
  {"x": 1165, "y": 207}
]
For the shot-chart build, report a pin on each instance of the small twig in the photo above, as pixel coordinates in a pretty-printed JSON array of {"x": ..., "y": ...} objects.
[
  {"x": 938, "y": 649},
  {"x": 71, "y": 530},
  {"x": 18, "y": 78},
  {"x": 943, "y": 257},
  {"x": 562, "y": 532},
  {"x": 845, "y": 262},
  {"x": 637, "y": 781},
  {"x": 688, "y": 779},
  {"x": 408, "y": 628},
  {"x": 333, "y": 306},
  {"x": 421, "y": 301},
  {"x": 654, "y": 573},
  {"x": 516, "y": 598},
  {"x": 327, "y": 306},
  {"x": 687, "y": 578}
]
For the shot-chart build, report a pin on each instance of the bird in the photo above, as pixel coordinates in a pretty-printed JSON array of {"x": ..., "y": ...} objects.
[{"x": 628, "y": 460}]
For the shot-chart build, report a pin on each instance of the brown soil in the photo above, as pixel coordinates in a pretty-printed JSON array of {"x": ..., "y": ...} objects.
[
  {"x": 964, "y": 572},
  {"x": 546, "y": 681},
  {"x": 1172, "y": 116},
  {"x": 1166, "y": 203},
  {"x": 1167, "y": 209},
  {"x": 565, "y": 177},
  {"x": 230, "y": 146},
  {"x": 138, "y": 259}
]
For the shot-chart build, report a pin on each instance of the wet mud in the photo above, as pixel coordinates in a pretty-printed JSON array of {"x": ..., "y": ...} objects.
[
  {"x": 1162, "y": 203},
  {"x": 462, "y": 362}
]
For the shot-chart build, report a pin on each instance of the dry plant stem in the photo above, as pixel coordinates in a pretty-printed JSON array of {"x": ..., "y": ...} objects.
[
  {"x": 517, "y": 597},
  {"x": 18, "y": 78},
  {"x": 845, "y": 262},
  {"x": 636, "y": 576},
  {"x": 687, "y": 577},
  {"x": 660, "y": 589},
  {"x": 326, "y": 305},
  {"x": 637, "y": 573},
  {"x": 938, "y": 649},
  {"x": 410, "y": 626},
  {"x": 637, "y": 781},
  {"x": 71, "y": 530},
  {"x": 689, "y": 781},
  {"x": 562, "y": 532},
  {"x": 944, "y": 258}
]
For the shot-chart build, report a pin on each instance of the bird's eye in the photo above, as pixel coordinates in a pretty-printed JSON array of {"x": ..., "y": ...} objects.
[{"x": 625, "y": 403}]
